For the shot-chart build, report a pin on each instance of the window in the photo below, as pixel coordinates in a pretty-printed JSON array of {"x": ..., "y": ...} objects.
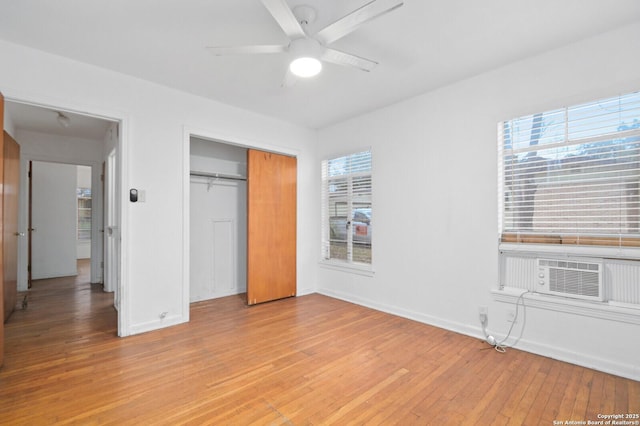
[
  {"x": 84, "y": 213},
  {"x": 572, "y": 175},
  {"x": 347, "y": 209}
]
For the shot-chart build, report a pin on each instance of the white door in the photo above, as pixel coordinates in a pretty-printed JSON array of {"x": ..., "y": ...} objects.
[
  {"x": 112, "y": 229},
  {"x": 54, "y": 209},
  {"x": 218, "y": 238}
]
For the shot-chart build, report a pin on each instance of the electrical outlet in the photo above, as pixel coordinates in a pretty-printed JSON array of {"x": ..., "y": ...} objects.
[
  {"x": 483, "y": 313},
  {"x": 511, "y": 315}
]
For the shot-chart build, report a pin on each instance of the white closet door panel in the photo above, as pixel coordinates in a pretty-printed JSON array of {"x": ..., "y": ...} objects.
[{"x": 224, "y": 256}]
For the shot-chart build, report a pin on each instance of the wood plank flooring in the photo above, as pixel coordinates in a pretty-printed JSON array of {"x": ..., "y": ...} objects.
[{"x": 301, "y": 361}]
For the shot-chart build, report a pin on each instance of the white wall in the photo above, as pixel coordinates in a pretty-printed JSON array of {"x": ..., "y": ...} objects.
[
  {"x": 54, "y": 220},
  {"x": 56, "y": 148},
  {"x": 154, "y": 159},
  {"x": 435, "y": 198},
  {"x": 84, "y": 176},
  {"x": 215, "y": 157}
]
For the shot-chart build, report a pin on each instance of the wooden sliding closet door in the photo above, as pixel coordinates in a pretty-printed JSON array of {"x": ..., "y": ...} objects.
[
  {"x": 10, "y": 187},
  {"x": 271, "y": 226}
]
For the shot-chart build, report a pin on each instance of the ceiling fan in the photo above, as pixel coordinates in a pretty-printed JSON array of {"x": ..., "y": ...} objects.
[{"x": 306, "y": 51}]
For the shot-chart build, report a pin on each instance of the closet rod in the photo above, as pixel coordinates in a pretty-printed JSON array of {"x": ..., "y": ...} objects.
[{"x": 217, "y": 176}]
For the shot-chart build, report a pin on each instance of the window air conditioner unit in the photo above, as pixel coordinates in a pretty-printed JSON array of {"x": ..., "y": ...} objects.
[{"x": 570, "y": 278}]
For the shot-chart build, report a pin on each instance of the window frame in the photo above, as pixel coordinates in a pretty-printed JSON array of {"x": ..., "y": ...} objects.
[{"x": 346, "y": 265}]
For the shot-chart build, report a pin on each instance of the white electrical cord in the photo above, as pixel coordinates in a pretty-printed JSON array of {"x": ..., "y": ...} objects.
[{"x": 500, "y": 346}]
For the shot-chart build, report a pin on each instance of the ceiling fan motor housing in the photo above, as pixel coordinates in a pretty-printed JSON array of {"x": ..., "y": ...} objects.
[{"x": 305, "y": 48}]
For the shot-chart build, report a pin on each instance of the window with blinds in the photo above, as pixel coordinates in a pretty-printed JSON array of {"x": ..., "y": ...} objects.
[
  {"x": 347, "y": 208},
  {"x": 572, "y": 175},
  {"x": 84, "y": 213}
]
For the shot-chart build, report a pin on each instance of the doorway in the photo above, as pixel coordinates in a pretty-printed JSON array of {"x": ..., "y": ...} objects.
[{"x": 83, "y": 140}]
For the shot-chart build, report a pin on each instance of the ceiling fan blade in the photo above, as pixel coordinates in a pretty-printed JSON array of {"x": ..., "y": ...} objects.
[
  {"x": 347, "y": 59},
  {"x": 246, "y": 50},
  {"x": 283, "y": 15},
  {"x": 349, "y": 23}
]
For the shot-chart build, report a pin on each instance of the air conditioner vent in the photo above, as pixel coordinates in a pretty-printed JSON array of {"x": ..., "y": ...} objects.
[{"x": 570, "y": 278}]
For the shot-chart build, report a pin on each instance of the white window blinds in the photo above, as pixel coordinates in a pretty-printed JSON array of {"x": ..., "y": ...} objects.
[
  {"x": 347, "y": 208},
  {"x": 572, "y": 175}
]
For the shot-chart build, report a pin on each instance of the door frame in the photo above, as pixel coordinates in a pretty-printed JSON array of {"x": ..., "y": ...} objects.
[
  {"x": 124, "y": 314},
  {"x": 214, "y": 136}
]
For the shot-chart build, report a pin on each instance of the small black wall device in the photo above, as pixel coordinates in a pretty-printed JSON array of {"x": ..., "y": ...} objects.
[{"x": 133, "y": 195}]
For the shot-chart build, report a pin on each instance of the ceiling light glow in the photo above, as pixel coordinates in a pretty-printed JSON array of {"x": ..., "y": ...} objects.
[{"x": 305, "y": 67}]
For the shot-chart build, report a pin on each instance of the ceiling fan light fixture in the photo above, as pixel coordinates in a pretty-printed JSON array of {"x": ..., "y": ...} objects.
[
  {"x": 305, "y": 53},
  {"x": 305, "y": 67},
  {"x": 63, "y": 120}
]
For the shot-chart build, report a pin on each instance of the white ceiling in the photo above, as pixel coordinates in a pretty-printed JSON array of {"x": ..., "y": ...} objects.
[{"x": 420, "y": 46}]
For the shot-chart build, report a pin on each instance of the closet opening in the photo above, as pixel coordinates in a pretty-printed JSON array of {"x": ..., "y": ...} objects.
[{"x": 217, "y": 220}]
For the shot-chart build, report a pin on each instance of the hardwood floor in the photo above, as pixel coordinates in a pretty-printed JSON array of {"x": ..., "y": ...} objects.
[{"x": 305, "y": 360}]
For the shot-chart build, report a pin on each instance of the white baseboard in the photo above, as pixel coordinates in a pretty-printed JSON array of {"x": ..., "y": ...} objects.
[
  {"x": 304, "y": 291},
  {"x": 56, "y": 274},
  {"x": 158, "y": 324}
]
